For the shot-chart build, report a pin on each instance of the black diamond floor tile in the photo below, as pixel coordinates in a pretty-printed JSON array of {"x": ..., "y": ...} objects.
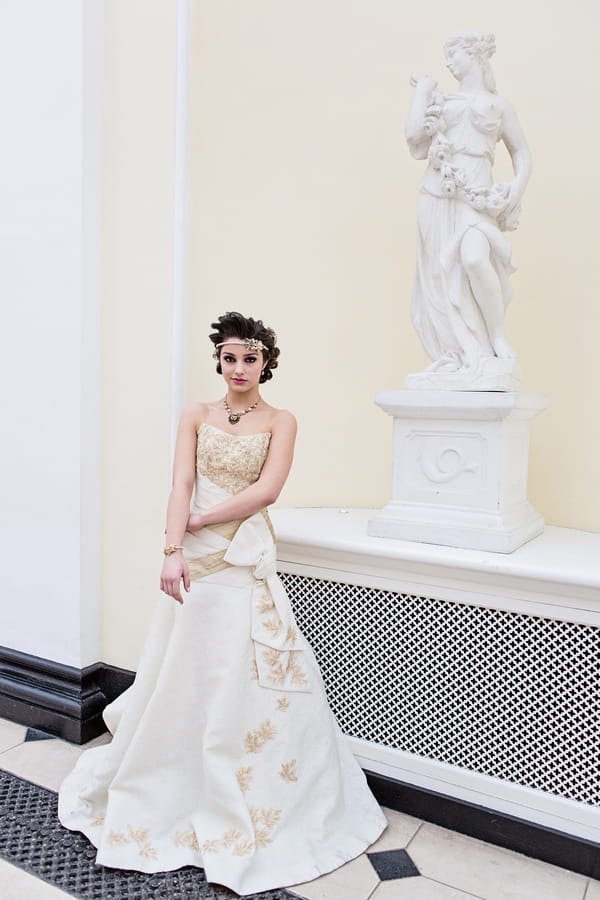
[
  {"x": 34, "y": 734},
  {"x": 32, "y": 838},
  {"x": 393, "y": 864}
]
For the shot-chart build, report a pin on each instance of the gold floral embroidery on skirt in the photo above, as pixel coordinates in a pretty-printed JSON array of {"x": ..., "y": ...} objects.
[
  {"x": 288, "y": 771},
  {"x": 244, "y": 777},
  {"x": 138, "y": 836},
  {"x": 254, "y": 741}
]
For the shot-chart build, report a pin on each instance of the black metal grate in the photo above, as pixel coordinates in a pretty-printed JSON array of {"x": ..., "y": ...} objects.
[
  {"x": 504, "y": 694},
  {"x": 32, "y": 838}
]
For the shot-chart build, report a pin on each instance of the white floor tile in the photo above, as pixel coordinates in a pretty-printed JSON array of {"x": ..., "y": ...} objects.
[
  {"x": 18, "y": 885},
  {"x": 469, "y": 865},
  {"x": 43, "y": 762},
  {"x": 417, "y": 889},
  {"x": 593, "y": 891},
  {"x": 354, "y": 881},
  {"x": 401, "y": 829},
  {"x": 11, "y": 734}
]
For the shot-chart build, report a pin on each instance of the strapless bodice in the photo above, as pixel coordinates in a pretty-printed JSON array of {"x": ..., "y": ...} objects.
[{"x": 231, "y": 461}]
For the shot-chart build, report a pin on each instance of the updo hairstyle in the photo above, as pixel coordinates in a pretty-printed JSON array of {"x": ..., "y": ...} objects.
[
  {"x": 482, "y": 47},
  {"x": 235, "y": 325}
]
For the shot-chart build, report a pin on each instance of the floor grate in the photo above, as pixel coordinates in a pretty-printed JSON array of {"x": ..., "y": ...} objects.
[{"x": 32, "y": 838}]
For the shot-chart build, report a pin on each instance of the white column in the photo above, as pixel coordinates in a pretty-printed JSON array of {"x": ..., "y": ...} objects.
[{"x": 50, "y": 182}]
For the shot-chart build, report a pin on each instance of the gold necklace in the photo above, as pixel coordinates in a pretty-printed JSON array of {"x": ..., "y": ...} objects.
[{"x": 234, "y": 418}]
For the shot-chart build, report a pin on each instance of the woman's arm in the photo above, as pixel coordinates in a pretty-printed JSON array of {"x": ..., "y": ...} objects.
[
  {"x": 268, "y": 487},
  {"x": 175, "y": 568}
]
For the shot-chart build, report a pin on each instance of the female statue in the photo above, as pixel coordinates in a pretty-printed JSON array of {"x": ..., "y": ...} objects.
[{"x": 461, "y": 287}]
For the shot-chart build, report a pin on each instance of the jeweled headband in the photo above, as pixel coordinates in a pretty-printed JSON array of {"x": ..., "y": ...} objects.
[{"x": 248, "y": 343}]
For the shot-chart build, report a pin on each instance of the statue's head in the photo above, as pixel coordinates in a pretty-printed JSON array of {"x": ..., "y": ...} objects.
[
  {"x": 480, "y": 47},
  {"x": 256, "y": 337}
]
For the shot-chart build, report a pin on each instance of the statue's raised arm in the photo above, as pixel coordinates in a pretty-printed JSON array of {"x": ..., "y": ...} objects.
[{"x": 461, "y": 287}]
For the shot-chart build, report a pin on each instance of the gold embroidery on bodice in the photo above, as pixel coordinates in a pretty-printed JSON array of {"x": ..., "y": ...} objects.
[{"x": 231, "y": 461}]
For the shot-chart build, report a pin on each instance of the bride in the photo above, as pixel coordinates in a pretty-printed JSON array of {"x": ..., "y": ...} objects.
[{"x": 225, "y": 754}]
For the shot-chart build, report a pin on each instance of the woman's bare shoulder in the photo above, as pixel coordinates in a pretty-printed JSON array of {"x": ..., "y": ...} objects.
[
  {"x": 195, "y": 414},
  {"x": 284, "y": 420}
]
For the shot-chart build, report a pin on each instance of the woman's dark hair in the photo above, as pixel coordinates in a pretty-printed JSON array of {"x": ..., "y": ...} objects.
[{"x": 235, "y": 325}]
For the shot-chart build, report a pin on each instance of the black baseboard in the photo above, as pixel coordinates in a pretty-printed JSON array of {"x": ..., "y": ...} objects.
[
  {"x": 488, "y": 825},
  {"x": 56, "y": 698}
]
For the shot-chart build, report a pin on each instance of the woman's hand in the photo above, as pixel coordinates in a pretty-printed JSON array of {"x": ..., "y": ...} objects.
[
  {"x": 174, "y": 571},
  {"x": 194, "y": 522}
]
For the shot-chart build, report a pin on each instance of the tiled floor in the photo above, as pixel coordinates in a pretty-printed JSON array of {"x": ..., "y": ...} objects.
[{"x": 433, "y": 864}]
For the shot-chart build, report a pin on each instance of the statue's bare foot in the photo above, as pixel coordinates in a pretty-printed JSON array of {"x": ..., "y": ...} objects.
[
  {"x": 449, "y": 362},
  {"x": 503, "y": 349}
]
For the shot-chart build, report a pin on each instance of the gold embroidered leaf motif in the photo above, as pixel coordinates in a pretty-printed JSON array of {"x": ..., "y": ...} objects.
[
  {"x": 288, "y": 771},
  {"x": 254, "y": 741},
  {"x": 254, "y": 814},
  {"x": 138, "y": 836},
  {"x": 230, "y": 837},
  {"x": 116, "y": 838},
  {"x": 283, "y": 704},
  {"x": 269, "y": 817},
  {"x": 186, "y": 839},
  {"x": 98, "y": 820},
  {"x": 273, "y": 626},
  {"x": 297, "y": 673},
  {"x": 253, "y": 670},
  {"x": 210, "y": 846},
  {"x": 243, "y": 848},
  {"x": 262, "y": 837},
  {"x": 141, "y": 838},
  {"x": 272, "y": 657},
  {"x": 265, "y": 604},
  {"x": 267, "y": 730},
  {"x": 291, "y": 635},
  {"x": 244, "y": 777}
]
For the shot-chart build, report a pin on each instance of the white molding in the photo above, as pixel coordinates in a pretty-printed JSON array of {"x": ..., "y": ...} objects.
[
  {"x": 566, "y": 816},
  {"x": 555, "y": 575},
  {"x": 180, "y": 215},
  {"x": 92, "y": 75}
]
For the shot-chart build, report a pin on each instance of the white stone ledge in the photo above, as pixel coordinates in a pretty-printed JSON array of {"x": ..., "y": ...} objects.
[{"x": 556, "y": 574}]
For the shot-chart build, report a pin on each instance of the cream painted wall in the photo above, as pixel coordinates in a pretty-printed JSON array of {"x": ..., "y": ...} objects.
[
  {"x": 302, "y": 211},
  {"x": 302, "y": 207},
  {"x": 137, "y": 272}
]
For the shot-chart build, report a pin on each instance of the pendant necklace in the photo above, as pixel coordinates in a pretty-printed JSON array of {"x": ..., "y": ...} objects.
[{"x": 234, "y": 418}]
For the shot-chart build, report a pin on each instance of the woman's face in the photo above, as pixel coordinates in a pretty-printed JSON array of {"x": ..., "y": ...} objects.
[
  {"x": 459, "y": 61},
  {"x": 241, "y": 368}
]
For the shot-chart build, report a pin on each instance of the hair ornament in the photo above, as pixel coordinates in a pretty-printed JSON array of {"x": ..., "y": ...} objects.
[{"x": 249, "y": 343}]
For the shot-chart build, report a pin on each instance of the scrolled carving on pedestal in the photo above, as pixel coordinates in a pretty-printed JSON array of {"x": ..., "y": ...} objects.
[
  {"x": 461, "y": 287},
  {"x": 446, "y": 465}
]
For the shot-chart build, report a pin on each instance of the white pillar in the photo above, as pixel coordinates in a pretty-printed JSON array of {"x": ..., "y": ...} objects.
[{"x": 50, "y": 181}]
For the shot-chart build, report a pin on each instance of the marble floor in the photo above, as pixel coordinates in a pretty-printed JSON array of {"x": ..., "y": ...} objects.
[{"x": 413, "y": 860}]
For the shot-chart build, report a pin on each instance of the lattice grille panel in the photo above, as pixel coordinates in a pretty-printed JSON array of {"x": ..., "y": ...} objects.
[{"x": 501, "y": 693}]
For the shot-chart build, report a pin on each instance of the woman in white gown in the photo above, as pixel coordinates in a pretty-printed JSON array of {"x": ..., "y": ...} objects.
[{"x": 225, "y": 754}]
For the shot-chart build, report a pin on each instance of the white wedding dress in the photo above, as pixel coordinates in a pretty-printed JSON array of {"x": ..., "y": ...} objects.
[{"x": 225, "y": 754}]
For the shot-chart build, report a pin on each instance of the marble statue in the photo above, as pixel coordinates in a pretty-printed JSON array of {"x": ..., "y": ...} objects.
[{"x": 464, "y": 260}]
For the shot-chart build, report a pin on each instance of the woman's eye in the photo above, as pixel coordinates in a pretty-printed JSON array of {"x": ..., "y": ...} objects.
[
  {"x": 229, "y": 359},
  {"x": 250, "y": 359}
]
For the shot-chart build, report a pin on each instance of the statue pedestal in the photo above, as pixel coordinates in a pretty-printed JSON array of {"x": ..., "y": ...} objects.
[{"x": 460, "y": 469}]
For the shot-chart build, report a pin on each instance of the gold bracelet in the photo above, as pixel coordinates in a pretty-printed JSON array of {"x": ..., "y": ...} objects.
[{"x": 171, "y": 548}]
